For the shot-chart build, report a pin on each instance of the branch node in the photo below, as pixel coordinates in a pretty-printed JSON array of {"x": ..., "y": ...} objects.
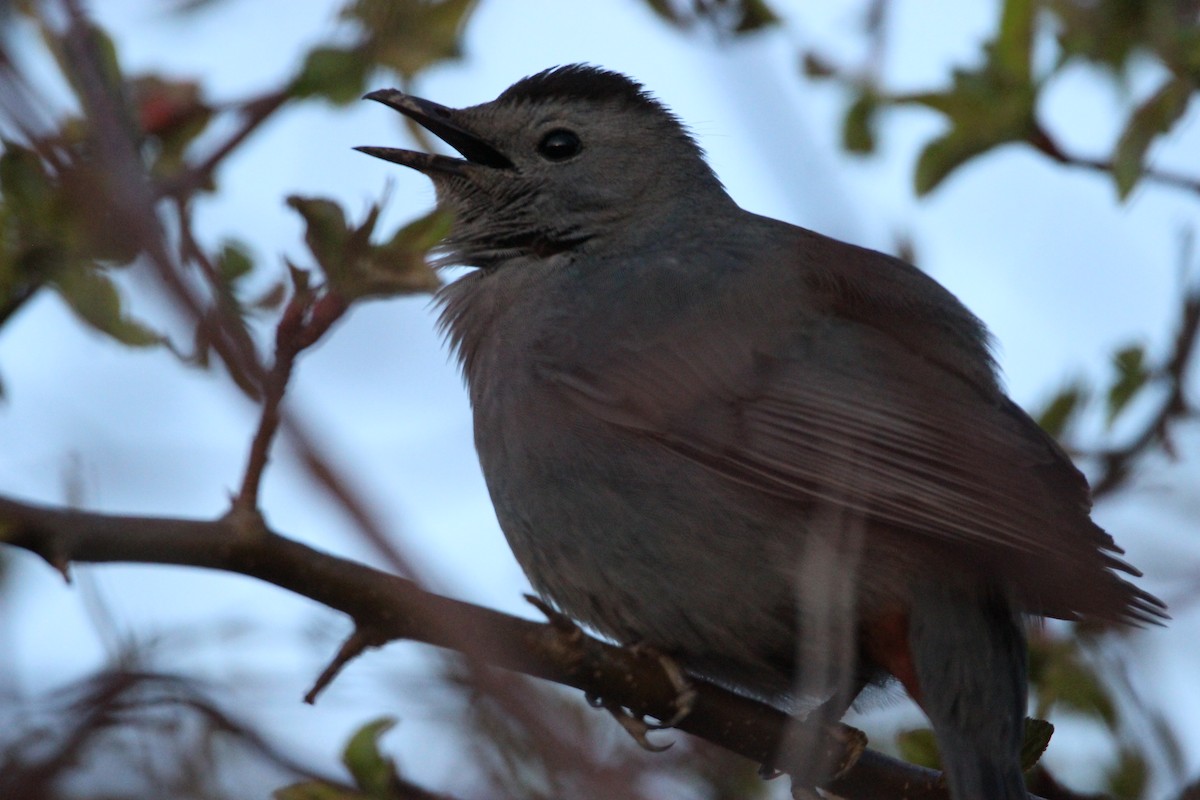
[{"x": 245, "y": 522}]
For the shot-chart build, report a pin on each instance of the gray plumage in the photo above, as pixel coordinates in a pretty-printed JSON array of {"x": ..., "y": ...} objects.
[{"x": 757, "y": 449}]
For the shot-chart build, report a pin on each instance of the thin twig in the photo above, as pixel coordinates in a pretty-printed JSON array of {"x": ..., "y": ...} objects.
[
  {"x": 1116, "y": 463},
  {"x": 1043, "y": 142},
  {"x": 254, "y": 112}
]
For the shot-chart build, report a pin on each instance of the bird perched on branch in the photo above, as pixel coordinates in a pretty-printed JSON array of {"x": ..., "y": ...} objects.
[{"x": 782, "y": 460}]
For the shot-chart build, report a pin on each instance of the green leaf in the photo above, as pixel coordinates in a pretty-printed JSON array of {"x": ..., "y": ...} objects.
[
  {"x": 25, "y": 186},
  {"x": 335, "y": 74},
  {"x": 373, "y": 772},
  {"x": 1128, "y": 777},
  {"x": 316, "y": 790},
  {"x": 233, "y": 262},
  {"x": 410, "y": 35},
  {"x": 423, "y": 233},
  {"x": 326, "y": 233},
  {"x": 756, "y": 15},
  {"x": 1153, "y": 117},
  {"x": 1035, "y": 741},
  {"x": 1132, "y": 375},
  {"x": 985, "y": 107},
  {"x": 919, "y": 747},
  {"x": 94, "y": 299},
  {"x": 399, "y": 266},
  {"x": 1060, "y": 412},
  {"x": 1014, "y": 43},
  {"x": 355, "y": 267},
  {"x": 816, "y": 66},
  {"x": 858, "y": 128},
  {"x": 1062, "y": 677},
  {"x": 942, "y": 156}
]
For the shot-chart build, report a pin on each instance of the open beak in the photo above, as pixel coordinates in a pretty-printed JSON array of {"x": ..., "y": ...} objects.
[{"x": 442, "y": 123}]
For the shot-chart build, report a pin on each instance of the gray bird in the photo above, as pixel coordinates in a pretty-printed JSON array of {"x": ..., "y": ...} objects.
[{"x": 783, "y": 460}]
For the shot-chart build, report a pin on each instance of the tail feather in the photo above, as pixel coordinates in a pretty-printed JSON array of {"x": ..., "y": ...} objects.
[{"x": 969, "y": 655}]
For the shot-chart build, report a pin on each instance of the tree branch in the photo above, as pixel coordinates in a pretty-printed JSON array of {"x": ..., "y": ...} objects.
[
  {"x": 1044, "y": 143},
  {"x": 394, "y": 608},
  {"x": 1116, "y": 463}
]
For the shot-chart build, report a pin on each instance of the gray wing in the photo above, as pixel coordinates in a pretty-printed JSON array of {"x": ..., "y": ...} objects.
[{"x": 842, "y": 412}]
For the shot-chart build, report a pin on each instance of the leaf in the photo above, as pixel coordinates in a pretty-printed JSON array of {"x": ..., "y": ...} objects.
[
  {"x": 337, "y": 75},
  {"x": 816, "y": 66},
  {"x": 326, "y": 233},
  {"x": 858, "y": 128},
  {"x": 423, "y": 233},
  {"x": 355, "y": 267},
  {"x": 94, "y": 299},
  {"x": 171, "y": 114},
  {"x": 1128, "y": 777},
  {"x": 410, "y": 35},
  {"x": 233, "y": 262},
  {"x": 1012, "y": 51},
  {"x": 25, "y": 186},
  {"x": 1063, "y": 678},
  {"x": 316, "y": 790},
  {"x": 373, "y": 772},
  {"x": 1034, "y": 742},
  {"x": 985, "y": 107},
  {"x": 756, "y": 15},
  {"x": 98, "y": 41},
  {"x": 919, "y": 747},
  {"x": 1060, "y": 412},
  {"x": 984, "y": 110},
  {"x": 1132, "y": 375},
  {"x": 1153, "y": 117}
]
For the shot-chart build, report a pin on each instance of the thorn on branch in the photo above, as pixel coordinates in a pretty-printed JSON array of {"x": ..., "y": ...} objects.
[
  {"x": 362, "y": 639},
  {"x": 63, "y": 565},
  {"x": 556, "y": 618}
]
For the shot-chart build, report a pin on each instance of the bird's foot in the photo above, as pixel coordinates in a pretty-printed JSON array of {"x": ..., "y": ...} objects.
[
  {"x": 636, "y": 726},
  {"x": 685, "y": 692}
]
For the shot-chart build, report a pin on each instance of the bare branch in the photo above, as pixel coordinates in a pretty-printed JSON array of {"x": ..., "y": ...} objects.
[
  {"x": 1044, "y": 143},
  {"x": 1117, "y": 463},
  {"x": 395, "y": 608}
]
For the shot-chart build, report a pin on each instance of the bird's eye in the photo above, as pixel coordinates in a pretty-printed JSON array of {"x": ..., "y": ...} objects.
[{"x": 559, "y": 145}]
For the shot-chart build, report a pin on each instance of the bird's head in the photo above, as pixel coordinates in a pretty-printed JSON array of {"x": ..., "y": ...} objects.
[{"x": 559, "y": 159}]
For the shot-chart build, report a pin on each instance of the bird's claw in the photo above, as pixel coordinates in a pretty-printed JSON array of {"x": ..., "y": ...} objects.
[
  {"x": 685, "y": 692},
  {"x": 634, "y": 725}
]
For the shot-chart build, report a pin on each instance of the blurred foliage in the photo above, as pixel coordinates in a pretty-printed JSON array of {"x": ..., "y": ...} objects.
[
  {"x": 169, "y": 737},
  {"x": 996, "y": 101},
  {"x": 918, "y": 746},
  {"x": 55, "y": 236},
  {"x": 354, "y": 267},
  {"x": 724, "y": 16},
  {"x": 402, "y": 37},
  {"x": 374, "y": 774}
]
